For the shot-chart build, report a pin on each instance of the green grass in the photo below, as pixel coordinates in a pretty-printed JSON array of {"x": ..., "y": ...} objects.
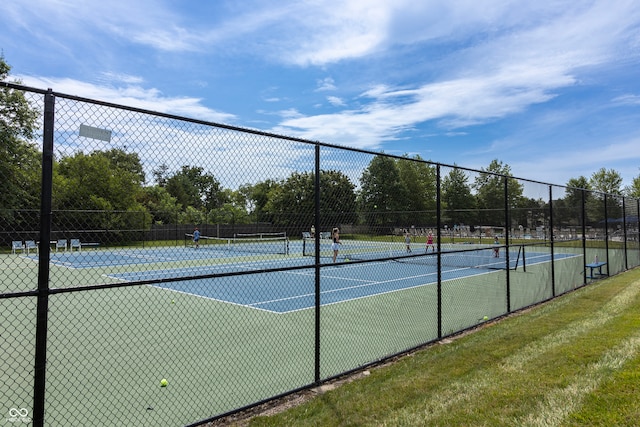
[{"x": 574, "y": 361}]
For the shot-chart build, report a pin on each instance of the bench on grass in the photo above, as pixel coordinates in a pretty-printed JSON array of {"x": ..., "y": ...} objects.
[{"x": 596, "y": 265}]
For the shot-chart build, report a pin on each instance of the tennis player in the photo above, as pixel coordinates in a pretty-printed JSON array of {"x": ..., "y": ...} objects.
[
  {"x": 496, "y": 247},
  {"x": 196, "y": 238},
  {"x": 430, "y": 243},
  {"x": 407, "y": 241},
  {"x": 336, "y": 243}
]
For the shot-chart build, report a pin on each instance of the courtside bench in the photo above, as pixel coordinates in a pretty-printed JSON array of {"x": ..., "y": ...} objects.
[
  {"x": 596, "y": 265},
  {"x": 77, "y": 244}
]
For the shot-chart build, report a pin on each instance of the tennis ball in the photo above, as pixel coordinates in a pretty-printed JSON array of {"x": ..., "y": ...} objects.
[
  {"x": 173, "y": 302},
  {"x": 164, "y": 383},
  {"x": 486, "y": 318},
  {"x": 375, "y": 206}
]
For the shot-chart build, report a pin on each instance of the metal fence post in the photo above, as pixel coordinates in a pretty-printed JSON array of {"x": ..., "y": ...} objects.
[
  {"x": 506, "y": 223},
  {"x": 584, "y": 238},
  {"x": 317, "y": 262},
  {"x": 42, "y": 309},
  {"x": 551, "y": 241},
  {"x": 606, "y": 234},
  {"x": 439, "y": 256},
  {"x": 624, "y": 233}
]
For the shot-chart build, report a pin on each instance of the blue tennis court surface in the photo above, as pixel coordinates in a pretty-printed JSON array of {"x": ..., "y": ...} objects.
[
  {"x": 286, "y": 291},
  {"x": 136, "y": 256}
]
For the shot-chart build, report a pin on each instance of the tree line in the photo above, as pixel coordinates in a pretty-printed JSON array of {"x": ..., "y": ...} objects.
[{"x": 109, "y": 190}]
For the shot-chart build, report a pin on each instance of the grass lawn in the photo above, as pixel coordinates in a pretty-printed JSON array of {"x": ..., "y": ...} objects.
[{"x": 574, "y": 361}]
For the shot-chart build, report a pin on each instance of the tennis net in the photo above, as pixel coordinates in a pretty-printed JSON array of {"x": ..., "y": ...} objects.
[
  {"x": 453, "y": 255},
  {"x": 242, "y": 243}
]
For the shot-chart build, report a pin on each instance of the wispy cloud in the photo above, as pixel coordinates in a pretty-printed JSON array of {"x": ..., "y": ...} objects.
[
  {"x": 422, "y": 73},
  {"x": 628, "y": 99},
  {"x": 493, "y": 79},
  {"x": 132, "y": 95},
  {"x": 335, "y": 101},
  {"x": 326, "y": 84}
]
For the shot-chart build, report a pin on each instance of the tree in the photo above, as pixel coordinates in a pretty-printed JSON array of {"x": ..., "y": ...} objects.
[
  {"x": 192, "y": 187},
  {"x": 458, "y": 203},
  {"x": 19, "y": 158},
  {"x": 107, "y": 189},
  {"x": 606, "y": 183},
  {"x": 161, "y": 205},
  {"x": 490, "y": 193},
  {"x": 126, "y": 162},
  {"x": 98, "y": 175},
  {"x": 232, "y": 211},
  {"x": 633, "y": 190},
  {"x": 161, "y": 175},
  {"x": 419, "y": 180},
  {"x": 256, "y": 197},
  {"x": 337, "y": 198},
  {"x": 382, "y": 195},
  {"x": 293, "y": 201},
  {"x": 575, "y": 187}
]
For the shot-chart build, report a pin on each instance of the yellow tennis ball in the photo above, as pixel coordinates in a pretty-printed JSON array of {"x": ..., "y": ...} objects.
[
  {"x": 486, "y": 317},
  {"x": 164, "y": 382}
]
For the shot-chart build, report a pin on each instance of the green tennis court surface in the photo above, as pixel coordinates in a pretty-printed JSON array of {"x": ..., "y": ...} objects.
[{"x": 98, "y": 337}]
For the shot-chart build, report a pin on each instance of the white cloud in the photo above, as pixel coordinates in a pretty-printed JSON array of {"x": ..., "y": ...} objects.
[
  {"x": 492, "y": 79},
  {"x": 326, "y": 84},
  {"x": 335, "y": 101},
  {"x": 628, "y": 99},
  {"x": 131, "y": 95}
]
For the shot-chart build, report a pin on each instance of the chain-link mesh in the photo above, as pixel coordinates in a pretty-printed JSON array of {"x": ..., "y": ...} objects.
[
  {"x": 631, "y": 226},
  {"x": 187, "y": 269}
]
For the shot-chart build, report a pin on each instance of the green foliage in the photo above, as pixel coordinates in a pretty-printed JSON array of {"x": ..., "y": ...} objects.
[
  {"x": 457, "y": 201},
  {"x": 633, "y": 190},
  {"x": 490, "y": 193},
  {"x": 606, "y": 181},
  {"x": 292, "y": 202},
  {"x": 419, "y": 180},
  {"x": 382, "y": 193},
  {"x": 192, "y": 187},
  {"x": 95, "y": 180},
  {"x": 162, "y": 206},
  {"x": 100, "y": 191},
  {"x": 19, "y": 158},
  {"x": 257, "y": 196}
]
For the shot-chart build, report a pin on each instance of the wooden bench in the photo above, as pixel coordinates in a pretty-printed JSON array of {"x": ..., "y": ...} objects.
[{"x": 592, "y": 266}]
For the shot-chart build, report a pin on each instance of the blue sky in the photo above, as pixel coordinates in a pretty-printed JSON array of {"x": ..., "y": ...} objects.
[{"x": 551, "y": 88}]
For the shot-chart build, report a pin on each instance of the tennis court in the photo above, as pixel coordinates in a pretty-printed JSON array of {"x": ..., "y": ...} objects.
[
  {"x": 236, "y": 324},
  {"x": 280, "y": 291}
]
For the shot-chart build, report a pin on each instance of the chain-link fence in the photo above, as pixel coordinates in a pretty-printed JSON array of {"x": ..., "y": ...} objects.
[{"x": 158, "y": 270}]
